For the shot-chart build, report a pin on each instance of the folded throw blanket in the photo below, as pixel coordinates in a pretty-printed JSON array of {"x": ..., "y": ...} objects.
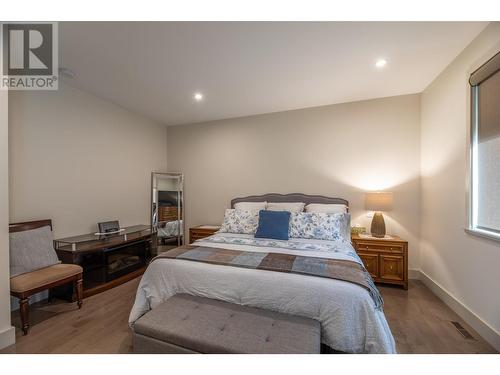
[{"x": 339, "y": 269}]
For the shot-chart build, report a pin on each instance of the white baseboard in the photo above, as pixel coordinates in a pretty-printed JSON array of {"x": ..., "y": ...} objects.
[
  {"x": 414, "y": 274},
  {"x": 484, "y": 329},
  {"x": 7, "y": 337}
]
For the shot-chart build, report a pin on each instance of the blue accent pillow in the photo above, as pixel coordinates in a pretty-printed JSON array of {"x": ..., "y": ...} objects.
[{"x": 273, "y": 224}]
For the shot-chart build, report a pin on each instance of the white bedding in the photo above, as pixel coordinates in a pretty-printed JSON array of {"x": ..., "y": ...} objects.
[
  {"x": 349, "y": 320},
  {"x": 170, "y": 229}
]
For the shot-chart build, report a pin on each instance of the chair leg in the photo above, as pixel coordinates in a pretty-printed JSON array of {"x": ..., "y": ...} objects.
[
  {"x": 79, "y": 292},
  {"x": 24, "y": 308}
]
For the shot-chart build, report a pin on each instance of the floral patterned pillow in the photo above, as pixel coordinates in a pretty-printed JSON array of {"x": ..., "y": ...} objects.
[
  {"x": 240, "y": 221},
  {"x": 319, "y": 226}
]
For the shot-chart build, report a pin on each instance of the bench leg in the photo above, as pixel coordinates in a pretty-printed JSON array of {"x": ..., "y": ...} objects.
[
  {"x": 79, "y": 292},
  {"x": 24, "y": 308}
]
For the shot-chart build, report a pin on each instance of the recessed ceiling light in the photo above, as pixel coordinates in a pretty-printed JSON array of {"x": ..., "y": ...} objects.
[
  {"x": 380, "y": 63},
  {"x": 198, "y": 96}
]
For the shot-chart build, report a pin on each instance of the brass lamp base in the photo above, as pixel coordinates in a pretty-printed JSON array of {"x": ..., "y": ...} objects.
[{"x": 378, "y": 225}]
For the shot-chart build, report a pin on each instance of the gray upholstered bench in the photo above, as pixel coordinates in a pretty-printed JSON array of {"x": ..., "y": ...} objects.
[{"x": 189, "y": 324}]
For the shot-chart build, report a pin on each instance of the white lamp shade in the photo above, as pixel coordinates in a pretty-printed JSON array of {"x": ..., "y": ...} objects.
[{"x": 378, "y": 201}]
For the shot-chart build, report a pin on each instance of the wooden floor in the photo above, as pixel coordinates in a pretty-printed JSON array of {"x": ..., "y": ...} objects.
[{"x": 419, "y": 321}]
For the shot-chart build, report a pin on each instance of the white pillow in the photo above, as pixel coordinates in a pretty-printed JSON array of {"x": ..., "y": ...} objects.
[
  {"x": 240, "y": 221},
  {"x": 320, "y": 226},
  {"x": 327, "y": 208},
  {"x": 251, "y": 206},
  {"x": 286, "y": 206}
]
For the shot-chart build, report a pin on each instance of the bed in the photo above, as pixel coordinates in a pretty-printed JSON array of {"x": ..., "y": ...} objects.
[
  {"x": 170, "y": 229},
  {"x": 350, "y": 319},
  {"x": 170, "y": 225}
]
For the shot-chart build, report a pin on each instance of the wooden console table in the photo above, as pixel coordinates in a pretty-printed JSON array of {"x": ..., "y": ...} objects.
[{"x": 108, "y": 260}]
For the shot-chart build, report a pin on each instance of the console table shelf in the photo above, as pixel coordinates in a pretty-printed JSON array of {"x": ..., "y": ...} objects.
[{"x": 107, "y": 260}]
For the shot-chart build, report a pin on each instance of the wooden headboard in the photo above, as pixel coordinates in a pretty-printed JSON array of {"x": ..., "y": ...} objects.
[
  {"x": 293, "y": 197},
  {"x": 28, "y": 225}
]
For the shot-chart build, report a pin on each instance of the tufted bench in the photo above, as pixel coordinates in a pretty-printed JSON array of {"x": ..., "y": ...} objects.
[{"x": 190, "y": 324}]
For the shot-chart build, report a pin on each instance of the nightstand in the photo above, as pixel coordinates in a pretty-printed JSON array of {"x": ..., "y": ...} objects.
[
  {"x": 385, "y": 258},
  {"x": 202, "y": 231}
]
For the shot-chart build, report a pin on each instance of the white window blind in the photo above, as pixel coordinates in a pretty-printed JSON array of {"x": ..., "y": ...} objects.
[{"x": 484, "y": 215}]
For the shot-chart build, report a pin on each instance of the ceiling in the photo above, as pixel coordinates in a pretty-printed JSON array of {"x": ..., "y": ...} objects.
[{"x": 246, "y": 68}]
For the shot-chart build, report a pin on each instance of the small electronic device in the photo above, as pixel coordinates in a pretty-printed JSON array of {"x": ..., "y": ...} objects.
[{"x": 108, "y": 226}]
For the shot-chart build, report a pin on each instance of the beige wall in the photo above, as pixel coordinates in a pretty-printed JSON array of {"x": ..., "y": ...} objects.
[
  {"x": 464, "y": 266},
  {"x": 6, "y": 330},
  {"x": 79, "y": 160},
  {"x": 339, "y": 150}
]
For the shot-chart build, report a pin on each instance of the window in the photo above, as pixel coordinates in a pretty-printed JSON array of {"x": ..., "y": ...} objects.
[{"x": 484, "y": 207}]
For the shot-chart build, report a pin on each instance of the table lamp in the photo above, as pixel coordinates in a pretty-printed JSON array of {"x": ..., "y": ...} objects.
[{"x": 378, "y": 201}]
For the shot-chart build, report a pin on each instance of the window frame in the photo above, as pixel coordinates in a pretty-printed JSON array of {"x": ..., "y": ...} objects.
[{"x": 472, "y": 170}]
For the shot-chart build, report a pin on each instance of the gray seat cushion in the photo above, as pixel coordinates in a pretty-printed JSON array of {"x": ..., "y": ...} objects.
[
  {"x": 31, "y": 250},
  {"x": 209, "y": 326}
]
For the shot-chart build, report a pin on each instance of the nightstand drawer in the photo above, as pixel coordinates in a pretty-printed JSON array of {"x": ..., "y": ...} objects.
[
  {"x": 199, "y": 233},
  {"x": 195, "y": 237},
  {"x": 391, "y": 248},
  {"x": 370, "y": 261},
  {"x": 391, "y": 267},
  {"x": 386, "y": 259}
]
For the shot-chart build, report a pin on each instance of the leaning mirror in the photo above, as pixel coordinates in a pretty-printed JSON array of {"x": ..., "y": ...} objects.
[{"x": 167, "y": 208}]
